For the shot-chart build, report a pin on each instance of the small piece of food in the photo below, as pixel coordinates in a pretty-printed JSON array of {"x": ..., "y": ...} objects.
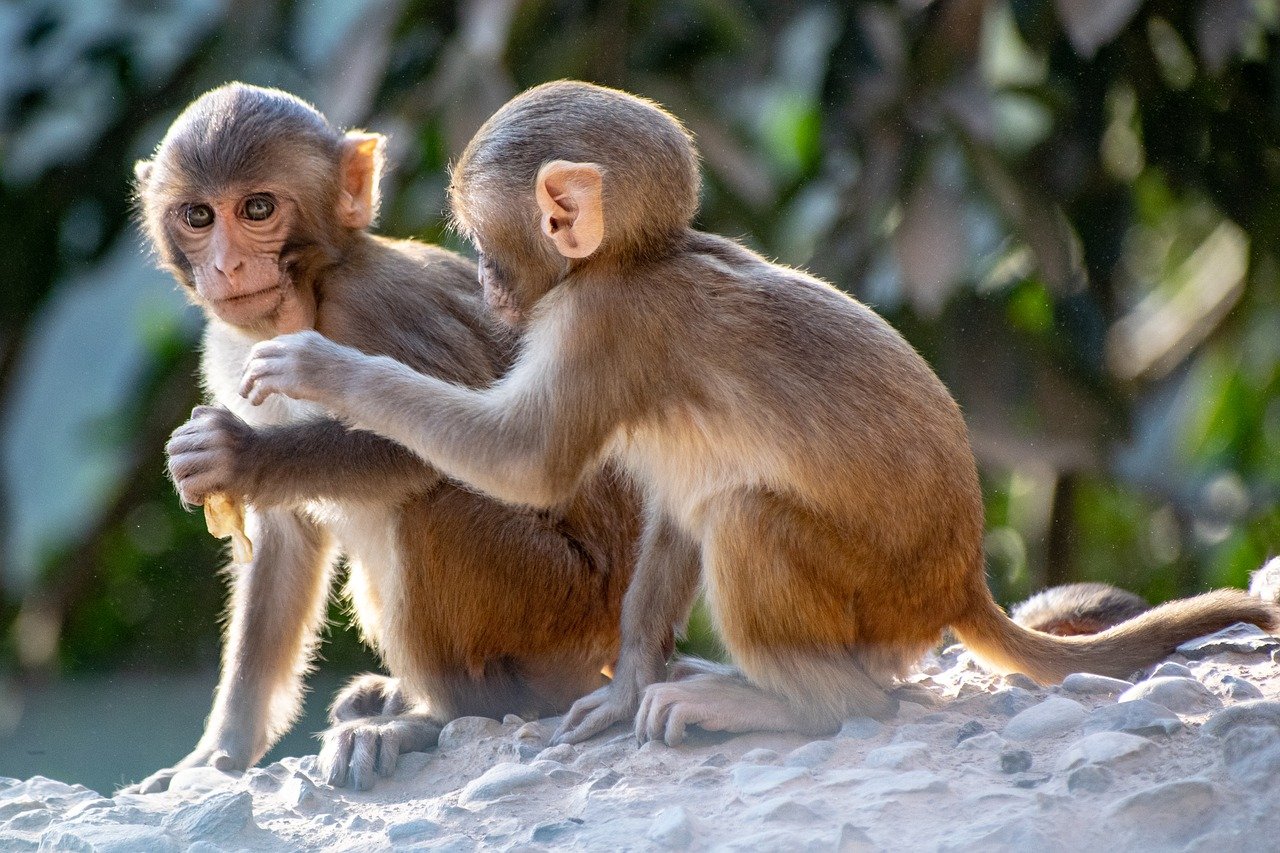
[{"x": 225, "y": 517}]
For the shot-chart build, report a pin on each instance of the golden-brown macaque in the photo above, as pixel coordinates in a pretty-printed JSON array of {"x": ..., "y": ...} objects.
[
  {"x": 259, "y": 208},
  {"x": 795, "y": 454},
  {"x": 1078, "y": 608}
]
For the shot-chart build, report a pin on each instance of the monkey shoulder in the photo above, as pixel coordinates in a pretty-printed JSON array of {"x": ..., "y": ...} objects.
[{"x": 417, "y": 303}]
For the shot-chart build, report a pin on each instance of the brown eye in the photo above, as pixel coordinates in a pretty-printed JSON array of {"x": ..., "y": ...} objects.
[
  {"x": 258, "y": 208},
  {"x": 199, "y": 216}
]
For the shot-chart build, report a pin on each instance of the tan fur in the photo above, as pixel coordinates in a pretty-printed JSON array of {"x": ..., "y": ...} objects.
[
  {"x": 777, "y": 428},
  {"x": 476, "y": 607}
]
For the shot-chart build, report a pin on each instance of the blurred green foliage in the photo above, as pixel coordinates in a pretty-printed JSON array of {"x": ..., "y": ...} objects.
[{"x": 1070, "y": 207}]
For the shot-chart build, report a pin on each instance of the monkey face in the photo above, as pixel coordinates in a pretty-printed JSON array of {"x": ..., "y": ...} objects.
[
  {"x": 498, "y": 295},
  {"x": 233, "y": 244}
]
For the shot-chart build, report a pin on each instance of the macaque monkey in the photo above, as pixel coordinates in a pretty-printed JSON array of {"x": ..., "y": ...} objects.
[
  {"x": 1078, "y": 608},
  {"x": 794, "y": 453},
  {"x": 259, "y": 208}
]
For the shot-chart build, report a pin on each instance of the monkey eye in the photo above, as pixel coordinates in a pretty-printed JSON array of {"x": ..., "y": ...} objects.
[
  {"x": 258, "y": 208},
  {"x": 198, "y": 215}
]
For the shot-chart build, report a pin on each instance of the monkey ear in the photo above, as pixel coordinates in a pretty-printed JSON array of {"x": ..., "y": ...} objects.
[
  {"x": 363, "y": 155},
  {"x": 571, "y": 198},
  {"x": 142, "y": 172}
]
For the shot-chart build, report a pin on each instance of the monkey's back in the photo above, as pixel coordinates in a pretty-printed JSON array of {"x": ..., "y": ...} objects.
[{"x": 770, "y": 381}]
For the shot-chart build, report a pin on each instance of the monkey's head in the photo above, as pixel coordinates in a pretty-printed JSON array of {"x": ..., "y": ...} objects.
[
  {"x": 569, "y": 175},
  {"x": 250, "y": 193}
]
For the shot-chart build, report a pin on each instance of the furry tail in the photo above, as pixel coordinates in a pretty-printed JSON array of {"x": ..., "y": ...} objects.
[{"x": 1006, "y": 646}]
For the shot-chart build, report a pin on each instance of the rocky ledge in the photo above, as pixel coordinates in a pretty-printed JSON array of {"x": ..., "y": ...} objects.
[{"x": 1183, "y": 757}]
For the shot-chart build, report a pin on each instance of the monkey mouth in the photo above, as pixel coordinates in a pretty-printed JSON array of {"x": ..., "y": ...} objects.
[
  {"x": 247, "y": 309},
  {"x": 245, "y": 298}
]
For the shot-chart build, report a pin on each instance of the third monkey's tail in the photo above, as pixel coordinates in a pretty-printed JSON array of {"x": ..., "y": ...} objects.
[{"x": 1006, "y": 646}]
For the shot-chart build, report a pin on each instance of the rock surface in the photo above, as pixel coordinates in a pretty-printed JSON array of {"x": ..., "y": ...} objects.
[{"x": 995, "y": 764}]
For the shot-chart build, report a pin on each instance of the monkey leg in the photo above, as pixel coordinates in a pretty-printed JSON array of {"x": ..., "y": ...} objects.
[
  {"x": 373, "y": 724},
  {"x": 780, "y": 587},
  {"x": 277, "y": 605},
  {"x": 660, "y": 597}
]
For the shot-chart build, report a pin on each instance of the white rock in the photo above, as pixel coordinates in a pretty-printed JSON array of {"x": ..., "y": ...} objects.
[
  {"x": 1103, "y": 748},
  {"x": 1139, "y": 717},
  {"x": 671, "y": 828},
  {"x": 109, "y": 838},
  {"x": 1257, "y": 712},
  {"x": 757, "y": 779},
  {"x": 1240, "y": 638},
  {"x": 811, "y": 754},
  {"x": 782, "y": 810},
  {"x": 1184, "y": 695},
  {"x": 1088, "y": 684},
  {"x": 410, "y": 831},
  {"x": 1252, "y": 755},
  {"x": 861, "y": 728},
  {"x": 467, "y": 729},
  {"x": 1239, "y": 689},
  {"x": 1172, "y": 813},
  {"x": 217, "y": 816},
  {"x": 498, "y": 781},
  {"x": 1054, "y": 716},
  {"x": 911, "y": 782},
  {"x": 1170, "y": 668},
  {"x": 985, "y": 742},
  {"x": 901, "y": 756},
  {"x": 760, "y": 756}
]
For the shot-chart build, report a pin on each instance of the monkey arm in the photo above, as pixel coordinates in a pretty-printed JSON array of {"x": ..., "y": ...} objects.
[
  {"x": 215, "y": 451},
  {"x": 277, "y": 607},
  {"x": 528, "y": 439},
  {"x": 325, "y": 459}
]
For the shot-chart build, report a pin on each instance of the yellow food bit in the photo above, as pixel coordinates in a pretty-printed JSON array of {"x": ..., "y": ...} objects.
[{"x": 225, "y": 517}]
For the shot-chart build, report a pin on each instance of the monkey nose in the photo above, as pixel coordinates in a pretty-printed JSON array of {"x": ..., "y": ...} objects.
[{"x": 228, "y": 263}]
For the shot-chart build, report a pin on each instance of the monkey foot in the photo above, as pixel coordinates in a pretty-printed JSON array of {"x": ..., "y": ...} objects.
[
  {"x": 715, "y": 703},
  {"x": 357, "y": 752}
]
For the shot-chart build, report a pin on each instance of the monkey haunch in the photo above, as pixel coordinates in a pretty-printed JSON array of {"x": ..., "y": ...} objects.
[
  {"x": 793, "y": 450},
  {"x": 259, "y": 208}
]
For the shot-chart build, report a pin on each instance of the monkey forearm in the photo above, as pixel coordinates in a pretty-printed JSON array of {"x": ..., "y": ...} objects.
[
  {"x": 325, "y": 459},
  {"x": 276, "y": 610},
  {"x": 481, "y": 437}
]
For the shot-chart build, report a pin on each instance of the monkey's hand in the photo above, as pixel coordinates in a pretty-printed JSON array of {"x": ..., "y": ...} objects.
[
  {"x": 205, "y": 454},
  {"x": 303, "y": 365},
  {"x": 373, "y": 725},
  {"x": 215, "y": 757}
]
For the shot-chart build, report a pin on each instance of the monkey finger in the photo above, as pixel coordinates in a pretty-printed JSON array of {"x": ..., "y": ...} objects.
[
  {"x": 642, "y": 716},
  {"x": 572, "y": 720},
  {"x": 364, "y": 757},
  {"x": 595, "y": 722},
  {"x": 678, "y": 720},
  {"x": 388, "y": 751},
  {"x": 335, "y": 755}
]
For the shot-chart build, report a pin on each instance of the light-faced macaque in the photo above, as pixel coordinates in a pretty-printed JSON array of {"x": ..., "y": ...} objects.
[
  {"x": 794, "y": 452},
  {"x": 1078, "y": 608},
  {"x": 259, "y": 208}
]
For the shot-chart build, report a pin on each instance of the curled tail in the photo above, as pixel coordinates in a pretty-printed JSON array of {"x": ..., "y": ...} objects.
[{"x": 1006, "y": 646}]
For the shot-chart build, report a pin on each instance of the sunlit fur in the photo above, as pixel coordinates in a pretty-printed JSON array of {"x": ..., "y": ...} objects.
[
  {"x": 475, "y": 607},
  {"x": 794, "y": 451}
]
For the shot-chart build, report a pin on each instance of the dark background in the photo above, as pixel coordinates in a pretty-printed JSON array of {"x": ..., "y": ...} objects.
[{"x": 1070, "y": 207}]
